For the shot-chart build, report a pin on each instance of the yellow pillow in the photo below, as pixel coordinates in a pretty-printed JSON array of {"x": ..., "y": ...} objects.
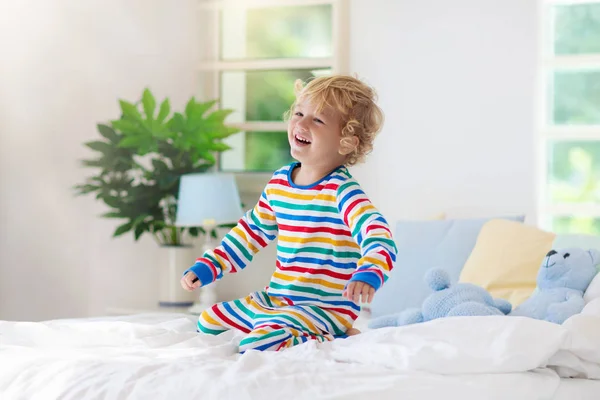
[{"x": 506, "y": 259}]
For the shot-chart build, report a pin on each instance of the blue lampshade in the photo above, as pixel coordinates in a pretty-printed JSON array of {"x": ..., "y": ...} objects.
[{"x": 208, "y": 197}]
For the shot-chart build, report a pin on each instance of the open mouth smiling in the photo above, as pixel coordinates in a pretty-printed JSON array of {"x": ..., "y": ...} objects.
[{"x": 302, "y": 140}]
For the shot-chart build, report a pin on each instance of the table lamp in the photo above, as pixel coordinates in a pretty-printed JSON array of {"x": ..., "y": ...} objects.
[{"x": 207, "y": 200}]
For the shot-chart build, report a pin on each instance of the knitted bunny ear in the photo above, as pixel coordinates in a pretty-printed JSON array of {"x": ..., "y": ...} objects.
[{"x": 437, "y": 279}]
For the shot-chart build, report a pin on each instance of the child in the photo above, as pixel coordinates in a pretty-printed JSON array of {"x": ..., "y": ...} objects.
[{"x": 333, "y": 247}]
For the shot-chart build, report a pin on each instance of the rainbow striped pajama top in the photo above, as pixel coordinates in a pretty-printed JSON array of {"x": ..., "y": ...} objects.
[{"x": 329, "y": 234}]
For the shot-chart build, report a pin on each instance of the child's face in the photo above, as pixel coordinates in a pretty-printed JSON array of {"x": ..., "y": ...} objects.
[{"x": 315, "y": 137}]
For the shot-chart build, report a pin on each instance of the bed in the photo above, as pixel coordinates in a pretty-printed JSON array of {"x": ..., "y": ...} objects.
[{"x": 154, "y": 356}]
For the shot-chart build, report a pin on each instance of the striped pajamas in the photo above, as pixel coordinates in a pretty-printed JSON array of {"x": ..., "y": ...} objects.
[
  {"x": 268, "y": 323},
  {"x": 328, "y": 234}
]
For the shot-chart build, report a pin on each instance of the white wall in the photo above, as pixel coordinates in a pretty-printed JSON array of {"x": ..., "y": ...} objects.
[
  {"x": 64, "y": 64},
  {"x": 456, "y": 81}
]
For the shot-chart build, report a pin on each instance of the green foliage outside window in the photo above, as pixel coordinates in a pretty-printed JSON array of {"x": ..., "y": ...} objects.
[{"x": 575, "y": 166}]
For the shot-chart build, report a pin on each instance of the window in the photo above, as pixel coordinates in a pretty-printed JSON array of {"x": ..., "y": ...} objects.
[
  {"x": 569, "y": 112},
  {"x": 254, "y": 52}
]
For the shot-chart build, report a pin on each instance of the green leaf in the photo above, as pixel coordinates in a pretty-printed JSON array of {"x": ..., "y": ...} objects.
[
  {"x": 93, "y": 163},
  {"x": 126, "y": 126},
  {"x": 202, "y": 108},
  {"x": 139, "y": 219},
  {"x": 113, "y": 214},
  {"x": 216, "y": 130},
  {"x": 165, "y": 109},
  {"x": 131, "y": 142},
  {"x": 121, "y": 229},
  {"x": 194, "y": 232},
  {"x": 207, "y": 156},
  {"x": 219, "y": 147},
  {"x": 149, "y": 104},
  {"x": 195, "y": 119},
  {"x": 161, "y": 131},
  {"x": 157, "y": 226},
  {"x": 177, "y": 123},
  {"x": 99, "y": 146},
  {"x": 189, "y": 107},
  {"x": 218, "y": 116},
  {"x": 130, "y": 110},
  {"x": 139, "y": 230},
  {"x": 108, "y": 132},
  {"x": 85, "y": 189},
  {"x": 146, "y": 147},
  {"x": 111, "y": 201},
  {"x": 224, "y": 132}
]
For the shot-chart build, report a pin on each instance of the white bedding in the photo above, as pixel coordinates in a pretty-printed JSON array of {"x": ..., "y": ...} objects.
[{"x": 154, "y": 357}]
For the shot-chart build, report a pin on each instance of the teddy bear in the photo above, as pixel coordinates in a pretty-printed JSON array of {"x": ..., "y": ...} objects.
[
  {"x": 447, "y": 300},
  {"x": 562, "y": 281}
]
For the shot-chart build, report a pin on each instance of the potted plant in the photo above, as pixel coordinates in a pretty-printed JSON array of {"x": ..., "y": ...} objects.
[{"x": 139, "y": 160}]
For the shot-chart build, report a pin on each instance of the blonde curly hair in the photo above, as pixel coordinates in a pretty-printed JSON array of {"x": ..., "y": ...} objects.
[{"x": 361, "y": 117}]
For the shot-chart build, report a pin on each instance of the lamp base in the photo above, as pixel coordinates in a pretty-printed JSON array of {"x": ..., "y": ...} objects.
[{"x": 173, "y": 261}]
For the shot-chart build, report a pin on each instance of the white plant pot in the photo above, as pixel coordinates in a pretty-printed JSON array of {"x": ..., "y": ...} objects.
[{"x": 173, "y": 262}]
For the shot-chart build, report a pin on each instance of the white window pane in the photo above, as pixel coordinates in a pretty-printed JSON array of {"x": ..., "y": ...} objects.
[
  {"x": 256, "y": 152},
  {"x": 261, "y": 95},
  {"x": 574, "y": 172},
  {"x": 576, "y": 97},
  {"x": 577, "y": 29},
  {"x": 276, "y": 32}
]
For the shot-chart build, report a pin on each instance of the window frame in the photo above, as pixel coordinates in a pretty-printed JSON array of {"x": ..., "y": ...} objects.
[
  {"x": 546, "y": 131},
  {"x": 211, "y": 65}
]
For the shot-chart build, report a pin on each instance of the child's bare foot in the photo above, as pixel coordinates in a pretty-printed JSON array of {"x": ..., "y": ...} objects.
[{"x": 352, "y": 332}]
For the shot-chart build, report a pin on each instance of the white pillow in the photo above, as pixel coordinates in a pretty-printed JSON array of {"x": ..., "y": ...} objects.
[{"x": 593, "y": 291}]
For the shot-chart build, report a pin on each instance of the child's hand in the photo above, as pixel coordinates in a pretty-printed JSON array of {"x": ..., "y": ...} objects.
[
  {"x": 356, "y": 289},
  {"x": 190, "y": 282}
]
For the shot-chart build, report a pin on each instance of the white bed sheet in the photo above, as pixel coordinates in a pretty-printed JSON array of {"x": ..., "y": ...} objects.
[
  {"x": 578, "y": 389},
  {"x": 160, "y": 356}
]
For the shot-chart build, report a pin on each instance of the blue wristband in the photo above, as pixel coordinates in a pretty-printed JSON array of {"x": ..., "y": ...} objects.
[
  {"x": 203, "y": 272},
  {"x": 368, "y": 277}
]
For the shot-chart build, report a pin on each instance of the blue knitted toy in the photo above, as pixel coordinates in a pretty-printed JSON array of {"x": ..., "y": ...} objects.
[
  {"x": 561, "y": 282},
  {"x": 461, "y": 299}
]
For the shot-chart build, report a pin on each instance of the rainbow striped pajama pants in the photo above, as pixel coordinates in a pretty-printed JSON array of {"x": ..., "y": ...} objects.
[{"x": 271, "y": 324}]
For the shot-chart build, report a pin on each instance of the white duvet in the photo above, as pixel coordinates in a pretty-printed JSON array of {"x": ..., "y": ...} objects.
[{"x": 453, "y": 358}]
